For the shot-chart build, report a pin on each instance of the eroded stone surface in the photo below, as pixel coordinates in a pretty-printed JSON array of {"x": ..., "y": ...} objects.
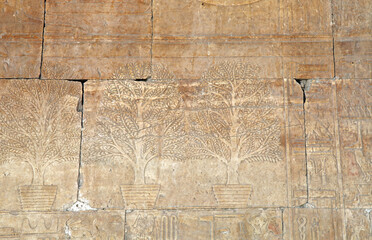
[
  {"x": 284, "y": 38},
  {"x": 183, "y": 141},
  {"x": 202, "y": 130},
  {"x": 92, "y": 40},
  {"x": 305, "y": 223},
  {"x": 40, "y": 139},
  {"x": 241, "y": 224},
  {"x": 353, "y": 41},
  {"x": 338, "y": 127},
  {"x": 62, "y": 225},
  {"x": 21, "y": 24}
]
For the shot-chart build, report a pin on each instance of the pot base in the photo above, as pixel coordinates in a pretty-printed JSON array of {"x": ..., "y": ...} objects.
[
  {"x": 232, "y": 195},
  {"x": 37, "y": 197},
  {"x": 140, "y": 196}
]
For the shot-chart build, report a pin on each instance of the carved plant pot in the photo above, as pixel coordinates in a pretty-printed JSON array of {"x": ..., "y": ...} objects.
[
  {"x": 140, "y": 196},
  {"x": 232, "y": 195},
  {"x": 37, "y": 197}
]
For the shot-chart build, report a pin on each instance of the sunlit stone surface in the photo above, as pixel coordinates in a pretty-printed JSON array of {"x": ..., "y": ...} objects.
[{"x": 192, "y": 119}]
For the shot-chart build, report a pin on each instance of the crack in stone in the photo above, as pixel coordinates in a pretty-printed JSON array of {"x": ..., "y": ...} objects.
[
  {"x": 42, "y": 41},
  {"x": 152, "y": 33},
  {"x": 148, "y": 79},
  {"x": 80, "y": 178},
  {"x": 305, "y": 86},
  {"x": 80, "y": 108},
  {"x": 282, "y": 219},
  {"x": 333, "y": 38}
]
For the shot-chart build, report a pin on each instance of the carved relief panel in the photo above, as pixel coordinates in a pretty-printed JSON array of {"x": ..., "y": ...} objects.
[
  {"x": 148, "y": 139},
  {"x": 40, "y": 139},
  {"x": 189, "y": 224}
]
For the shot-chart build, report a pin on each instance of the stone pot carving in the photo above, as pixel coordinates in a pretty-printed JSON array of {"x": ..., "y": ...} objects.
[
  {"x": 140, "y": 126},
  {"x": 33, "y": 116},
  {"x": 237, "y": 125},
  {"x": 232, "y": 195},
  {"x": 140, "y": 196},
  {"x": 37, "y": 197}
]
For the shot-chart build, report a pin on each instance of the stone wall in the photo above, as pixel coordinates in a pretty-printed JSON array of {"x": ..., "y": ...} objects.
[{"x": 192, "y": 119}]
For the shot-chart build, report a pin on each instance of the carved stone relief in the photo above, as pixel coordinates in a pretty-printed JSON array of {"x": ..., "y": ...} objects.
[{"x": 40, "y": 138}]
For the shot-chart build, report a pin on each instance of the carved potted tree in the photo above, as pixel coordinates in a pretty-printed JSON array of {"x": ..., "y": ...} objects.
[
  {"x": 33, "y": 119},
  {"x": 137, "y": 126},
  {"x": 238, "y": 124}
]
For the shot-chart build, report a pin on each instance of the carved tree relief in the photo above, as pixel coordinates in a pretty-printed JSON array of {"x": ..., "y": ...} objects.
[
  {"x": 238, "y": 122},
  {"x": 33, "y": 119},
  {"x": 139, "y": 123}
]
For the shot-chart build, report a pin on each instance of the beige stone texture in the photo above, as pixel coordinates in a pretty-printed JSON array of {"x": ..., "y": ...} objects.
[
  {"x": 254, "y": 223},
  {"x": 40, "y": 139},
  {"x": 307, "y": 223},
  {"x": 92, "y": 40},
  {"x": 62, "y": 225},
  {"x": 338, "y": 143},
  {"x": 185, "y": 119},
  {"x": 285, "y": 38},
  {"x": 353, "y": 42},
  {"x": 183, "y": 141},
  {"x": 21, "y": 24}
]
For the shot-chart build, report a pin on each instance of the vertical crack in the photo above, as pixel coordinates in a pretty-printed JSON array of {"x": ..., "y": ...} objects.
[
  {"x": 333, "y": 38},
  {"x": 282, "y": 217},
  {"x": 152, "y": 33},
  {"x": 42, "y": 41},
  {"x": 80, "y": 109},
  {"x": 305, "y": 86}
]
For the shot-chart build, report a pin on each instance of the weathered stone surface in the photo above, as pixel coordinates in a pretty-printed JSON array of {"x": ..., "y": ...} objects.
[
  {"x": 282, "y": 38},
  {"x": 353, "y": 42},
  {"x": 358, "y": 224},
  {"x": 92, "y": 40},
  {"x": 21, "y": 24},
  {"x": 305, "y": 223},
  {"x": 185, "y": 119},
  {"x": 62, "y": 225},
  {"x": 355, "y": 119},
  {"x": 338, "y": 129},
  {"x": 39, "y": 144},
  {"x": 183, "y": 141},
  {"x": 252, "y": 223}
]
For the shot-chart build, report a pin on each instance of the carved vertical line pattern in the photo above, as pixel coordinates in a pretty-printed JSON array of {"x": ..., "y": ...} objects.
[
  {"x": 286, "y": 129},
  {"x": 338, "y": 156},
  {"x": 287, "y": 153}
]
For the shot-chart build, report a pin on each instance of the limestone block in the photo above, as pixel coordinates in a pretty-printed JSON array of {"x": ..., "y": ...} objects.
[
  {"x": 323, "y": 159},
  {"x": 92, "y": 40},
  {"x": 338, "y": 142},
  {"x": 253, "y": 223},
  {"x": 354, "y": 113},
  {"x": 285, "y": 38},
  {"x": 21, "y": 24},
  {"x": 223, "y": 141},
  {"x": 358, "y": 223},
  {"x": 307, "y": 223},
  {"x": 353, "y": 43},
  {"x": 40, "y": 139},
  {"x": 62, "y": 225}
]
